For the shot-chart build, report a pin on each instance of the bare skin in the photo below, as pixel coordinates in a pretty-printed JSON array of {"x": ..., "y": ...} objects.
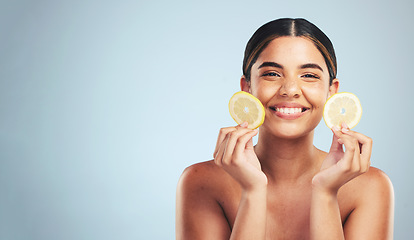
[{"x": 284, "y": 187}]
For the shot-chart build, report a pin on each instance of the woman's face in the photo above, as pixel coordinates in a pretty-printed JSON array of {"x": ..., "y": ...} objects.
[{"x": 291, "y": 79}]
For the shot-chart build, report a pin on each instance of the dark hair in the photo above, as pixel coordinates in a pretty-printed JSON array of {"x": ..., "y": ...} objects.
[{"x": 297, "y": 27}]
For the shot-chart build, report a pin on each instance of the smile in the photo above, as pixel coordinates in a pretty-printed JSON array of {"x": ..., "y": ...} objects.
[{"x": 289, "y": 112}]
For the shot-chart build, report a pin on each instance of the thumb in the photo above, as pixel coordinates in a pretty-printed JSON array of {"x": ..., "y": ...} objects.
[
  {"x": 336, "y": 146},
  {"x": 249, "y": 144}
]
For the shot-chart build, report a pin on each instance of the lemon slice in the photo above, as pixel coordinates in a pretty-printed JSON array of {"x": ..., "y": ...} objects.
[
  {"x": 245, "y": 107},
  {"x": 342, "y": 108}
]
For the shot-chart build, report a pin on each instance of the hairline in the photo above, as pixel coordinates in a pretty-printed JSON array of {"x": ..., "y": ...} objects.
[{"x": 263, "y": 45}]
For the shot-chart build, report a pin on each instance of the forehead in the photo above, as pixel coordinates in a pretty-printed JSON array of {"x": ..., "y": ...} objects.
[{"x": 292, "y": 51}]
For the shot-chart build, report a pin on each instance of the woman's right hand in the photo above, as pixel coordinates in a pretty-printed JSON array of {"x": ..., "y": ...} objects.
[{"x": 234, "y": 152}]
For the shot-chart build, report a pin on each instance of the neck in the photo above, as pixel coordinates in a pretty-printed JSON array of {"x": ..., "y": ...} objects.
[{"x": 287, "y": 159}]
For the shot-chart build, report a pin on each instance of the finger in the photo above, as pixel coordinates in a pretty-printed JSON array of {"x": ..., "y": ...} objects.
[
  {"x": 351, "y": 155},
  {"x": 365, "y": 144},
  {"x": 224, "y": 131},
  {"x": 218, "y": 158},
  {"x": 344, "y": 126},
  {"x": 249, "y": 144},
  {"x": 362, "y": 139},
  {"x": 243, "y": 141},
  {"x": 357, "y": 164},
  {"x": 233, "y": 138},
  {"x": 243, "y": 125},
  {"x": 336, "y": 146},
  {"x": 222, "y": 134}
]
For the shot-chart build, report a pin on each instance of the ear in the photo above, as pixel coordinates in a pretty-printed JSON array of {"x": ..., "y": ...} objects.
[
  {"x": 334, "y": 87},
  {"x": 245, "y": 84}
]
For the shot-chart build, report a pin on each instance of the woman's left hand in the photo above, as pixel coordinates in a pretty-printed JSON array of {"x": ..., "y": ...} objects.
[{"x": 341, "y": 166}]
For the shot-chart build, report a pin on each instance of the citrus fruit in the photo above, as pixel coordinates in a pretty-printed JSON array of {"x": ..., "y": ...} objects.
[
  {"x": 341, "y": 108},
  {"x": 245, "y": 107}
]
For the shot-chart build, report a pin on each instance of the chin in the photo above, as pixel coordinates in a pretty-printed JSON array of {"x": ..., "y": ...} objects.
[{"x": 289, "y": 131}]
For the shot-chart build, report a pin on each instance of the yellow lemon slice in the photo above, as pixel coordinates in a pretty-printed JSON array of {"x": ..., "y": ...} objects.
[
  {"x": 342, "y": 108},
  {"x": 245, "y": 107}
]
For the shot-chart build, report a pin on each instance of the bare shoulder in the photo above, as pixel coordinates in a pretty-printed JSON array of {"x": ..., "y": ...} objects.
[
  {"x": 198, "y": 211},
  {"x": 377, "y": 175},
  {"x": 372, "y": 184},
  {"x": 374, "y": 181},
  {"x": 368, "y": 201},
  {"x": 202, "y": 176},
  {"x": 204, "y": 181},
  {"x": 200, "y": 169}
]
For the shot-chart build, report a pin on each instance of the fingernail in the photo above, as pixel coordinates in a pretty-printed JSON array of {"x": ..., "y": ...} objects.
[
  {"x": 345, "y": 128},
  {"x": 244, "y": 124},
  {"x": 335, "y": 128}
]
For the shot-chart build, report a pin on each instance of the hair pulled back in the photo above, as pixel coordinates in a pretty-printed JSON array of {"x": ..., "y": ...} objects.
[{"x": 296, "y": 27}]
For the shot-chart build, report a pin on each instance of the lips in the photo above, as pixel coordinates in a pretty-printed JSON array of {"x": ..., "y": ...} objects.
[{"x": 289, "y": 110}]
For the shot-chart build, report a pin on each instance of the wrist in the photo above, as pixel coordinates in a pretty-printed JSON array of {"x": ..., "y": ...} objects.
[
  {"x": 321, "y": 188},
  {"x": 254, "y": 186},
  {"x": 325, "y": 193},
  {"x": 255, "y": 192}
]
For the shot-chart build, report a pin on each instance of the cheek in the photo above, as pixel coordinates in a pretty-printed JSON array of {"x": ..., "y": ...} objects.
[
  {"x": 264, "y": 91},
  {"x": 316, "y": 95}
]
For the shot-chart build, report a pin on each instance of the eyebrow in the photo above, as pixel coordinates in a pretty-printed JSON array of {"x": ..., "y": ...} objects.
[
  {"x": 270, "y": 64},
  {"x": 311, "y": 65},
  {"x": 277, "y": 65}
]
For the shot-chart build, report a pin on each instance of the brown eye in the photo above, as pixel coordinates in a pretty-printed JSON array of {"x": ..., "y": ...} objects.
[
  {"x": 271, "y": 74},
  {"x": 311, "y": 76}
]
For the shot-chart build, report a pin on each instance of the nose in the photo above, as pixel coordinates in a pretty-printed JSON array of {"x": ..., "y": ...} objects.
[{"x": 290, "y": 88}]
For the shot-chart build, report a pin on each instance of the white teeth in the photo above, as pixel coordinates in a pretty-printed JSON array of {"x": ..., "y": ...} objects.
[{"x": 289, "y": 110}]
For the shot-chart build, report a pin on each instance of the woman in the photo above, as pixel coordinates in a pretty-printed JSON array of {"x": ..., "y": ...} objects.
[{"x": 284, "y": 187}]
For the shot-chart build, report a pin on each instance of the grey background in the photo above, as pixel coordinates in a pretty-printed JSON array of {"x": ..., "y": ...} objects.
[{"x": 104, "y": 103}]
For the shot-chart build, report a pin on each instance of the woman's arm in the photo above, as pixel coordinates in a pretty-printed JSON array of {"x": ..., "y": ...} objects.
[
  {"x": 325, "y": 216},
  {"x": 235, "y": 154},
  {"x": 198, "y": 213},
  {"x": 251, "y": 216},
  {"x": 200, "y": 216},
  {"x": 339, "y": 168},
  {"x": 373, "y": 216}
]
